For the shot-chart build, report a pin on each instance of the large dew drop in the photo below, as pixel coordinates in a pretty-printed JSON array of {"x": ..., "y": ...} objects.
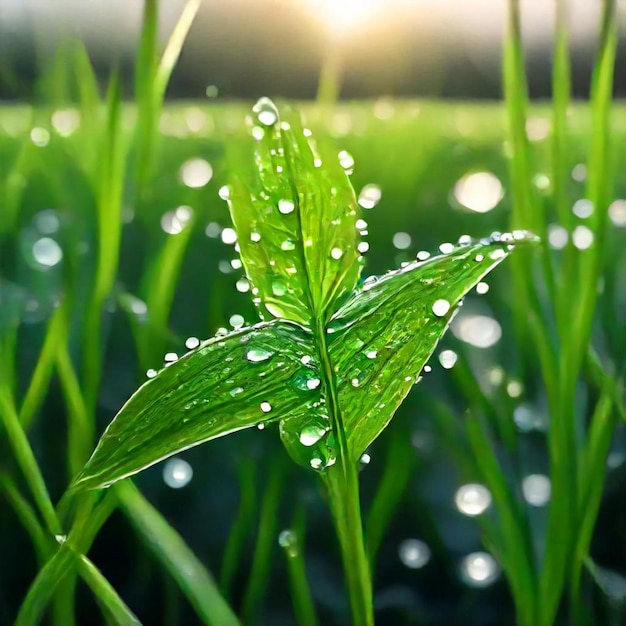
[
  {"x": 266, "y": 112},
  {"x": 311, "y": 434},
  {"x": 256, "y": 355}
]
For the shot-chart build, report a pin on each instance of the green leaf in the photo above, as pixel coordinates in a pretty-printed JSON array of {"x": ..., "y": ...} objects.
[
  {"x": 228, "y": 383},
  {"x": 386, "y": 333},
  {"x": 295, "y": 217},
  {"x": 380, "y": 340},
  {"x": 326, "y": 371}
]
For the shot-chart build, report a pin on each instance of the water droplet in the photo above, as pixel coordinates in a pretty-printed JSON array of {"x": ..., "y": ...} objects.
[
  {"x": 266, "y": 112},
  {"x": 355, "y": 382},
  {"x": 289, "y": 541},
  {"x": 177, "y": 473},
  {"x": 191, "y": 343},
  {"x": 47, "y": 222},
  {"x": 196, "y": 173},
  {"x": 371, "y": 354},
  {"x": 363, "y": 247},
  {"x": 170, "y": 357},
  {"x": 414, "y": 553},
  {"x": 256, "y": 355},
  {"x": 536, "y": 489},
  {"x": 582, "y": 237},
  {"x": 236, "y": 321},
  {"x": 346, "y": 160},
  {"x": 361, "y": 224},
  {"x": 402, "y": 241},
  {"x": 557, "y": 236},
  {"x": 311, "y": 434},
  {"x": 336, "y": 253},
  {"x": 365, "y": 458},
  {"x": 40, "y": 136},
  {"x": 65, "y": 121},
  {"x": 479, "y": 569},
  {"x": 472, "y": 499},
  {"x": 582, "y": 208},
  {"x": 242, "y": 285},
  {"x": 260, "y": 426},
  {"x": 255, "y": 237},
  {"x": 288, "y": 244},
  {"x": 47, "y": 252},
  {"x": 446, "y": 248},
  {"x": 213, "y": 230},
  {"x": 151, "y": 373},
  {"x": 279, "y": 287},
  {"x": 60, "y": 539},
  {"x": 286, "y": 206},
  {"x": 479, "y": 192},
  {"x": 369, "y": 196},
  {"x": 236, "y": 391},
  {"x": 224, "y": 192},
  {"x": 482, "y": 288},
  {"x": 266, "y": 407},
  {"x": 497, "y": 254},
  {"x": 440, "y": 307},
  {"x": 448, "y": 358},
  {"x": 229, "y": 236},
  {"x": 478, "y": 330},
  {"x": 579, "y": 172},
  {"x": 479, "y": 257},
  {"x": 617, "y": 212},
  {"x": 514, "y": 388}
]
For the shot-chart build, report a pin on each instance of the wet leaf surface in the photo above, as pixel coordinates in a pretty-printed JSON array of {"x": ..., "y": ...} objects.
[{"x": 370, "y": 348}]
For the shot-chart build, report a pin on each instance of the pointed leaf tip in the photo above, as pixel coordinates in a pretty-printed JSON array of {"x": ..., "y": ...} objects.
[
  {"x": 226, "y": 384},
  {"x": 295, "y": 214}
]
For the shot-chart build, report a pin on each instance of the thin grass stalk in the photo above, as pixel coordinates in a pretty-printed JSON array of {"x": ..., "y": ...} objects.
[
  {"x": 266, "y": 540},
  {"x": 240, "y": 526},
  {"x": 303, "y": 605}
]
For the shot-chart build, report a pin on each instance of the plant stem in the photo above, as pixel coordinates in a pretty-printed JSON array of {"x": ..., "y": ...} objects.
[{"x": 343, "y": 490}]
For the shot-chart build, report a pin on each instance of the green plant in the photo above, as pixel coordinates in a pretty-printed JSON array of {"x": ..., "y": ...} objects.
[
  {"x": 104, "y": 168},
  {"x": 333, "y": 365}
]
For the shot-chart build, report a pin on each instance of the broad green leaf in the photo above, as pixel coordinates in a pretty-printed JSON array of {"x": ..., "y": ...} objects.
[
  {"x": 381, "y": 339},
  {"x": 385, "y": 334},
  {"x": 295, "y": 215},
  {"x": 228, "y": 383}
]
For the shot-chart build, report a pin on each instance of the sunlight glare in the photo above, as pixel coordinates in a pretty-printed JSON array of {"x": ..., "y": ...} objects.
[{"x": 344, "y": 15}]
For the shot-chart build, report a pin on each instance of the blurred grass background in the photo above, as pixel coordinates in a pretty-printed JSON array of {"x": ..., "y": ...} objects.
[{"x": 77, "y": 175}]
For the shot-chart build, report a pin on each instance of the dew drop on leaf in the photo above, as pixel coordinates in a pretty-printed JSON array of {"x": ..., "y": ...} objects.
[
  {"x": 286, "y": 206},
  {"x": 440, "y": 307},
  {"x": 311, "y": 434},
  {"x": 279, "y": 288},
  {"x": 256, "y": 355},
  {"x": 266, "y": 407}
]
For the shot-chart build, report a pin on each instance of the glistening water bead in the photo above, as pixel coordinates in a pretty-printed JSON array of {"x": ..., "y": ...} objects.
[{"x": 256, "y": 355}]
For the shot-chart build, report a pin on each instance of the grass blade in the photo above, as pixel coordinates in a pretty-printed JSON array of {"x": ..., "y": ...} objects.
[
  {"x": 107, "y": 597},
  {"x": 194, "y": 580}
]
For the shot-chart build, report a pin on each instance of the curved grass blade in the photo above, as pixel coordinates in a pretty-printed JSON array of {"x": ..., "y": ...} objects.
[
  {"x": 170, "y": 549},
  {"x": 224, "y": 385},
  {"x": 295, "y": 217},
  {"x": 383, "y": 336}
]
